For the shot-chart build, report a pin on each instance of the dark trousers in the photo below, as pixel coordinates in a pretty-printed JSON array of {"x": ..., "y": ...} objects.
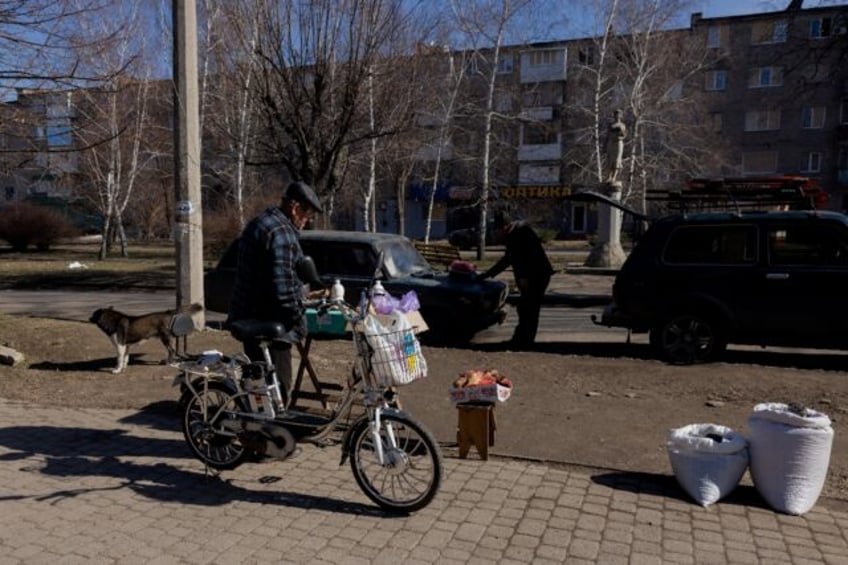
[
  {"x": 282, "y": 358},
  {"x": 532, "y": 292}
]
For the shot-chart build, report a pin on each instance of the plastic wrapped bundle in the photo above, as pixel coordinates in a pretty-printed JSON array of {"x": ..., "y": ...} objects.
[
  {"x": 708, "y": 460},
  {"x": 790, "y": 454}
]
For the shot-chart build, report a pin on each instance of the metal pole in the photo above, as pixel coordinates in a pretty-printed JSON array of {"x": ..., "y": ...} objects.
[{"x": 188, "y": 217}]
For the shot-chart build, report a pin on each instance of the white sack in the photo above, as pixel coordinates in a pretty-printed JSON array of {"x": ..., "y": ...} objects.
[
  {"x": 790, "y": 454},
  {"x": 707, "y": 469}
]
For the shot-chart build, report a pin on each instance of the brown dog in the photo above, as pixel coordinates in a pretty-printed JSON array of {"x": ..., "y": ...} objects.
[{"x": 124, "y": 329}]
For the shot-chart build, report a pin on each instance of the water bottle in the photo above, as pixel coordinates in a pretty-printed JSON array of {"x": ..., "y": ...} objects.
[
  {"x": 337, "y": 292},
  {"x": 377, "y": 289}
]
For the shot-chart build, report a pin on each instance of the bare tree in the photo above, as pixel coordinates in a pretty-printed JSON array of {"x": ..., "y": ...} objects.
[
  {"x": 488, "y": 21},
  {"x": 313, "y": 62},
  {"x": 112, "y": 124},
  {"x": 436, "y": 114},
  {"x": 638, "y": 65},
  {"x": 228, "y": 112}
]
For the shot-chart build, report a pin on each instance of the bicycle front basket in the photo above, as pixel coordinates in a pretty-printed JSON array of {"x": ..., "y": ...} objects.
[{"x": 396, "y": 359}]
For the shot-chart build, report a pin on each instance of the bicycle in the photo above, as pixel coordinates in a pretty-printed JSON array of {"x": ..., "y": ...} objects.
[{"x": 233, "y": 410}]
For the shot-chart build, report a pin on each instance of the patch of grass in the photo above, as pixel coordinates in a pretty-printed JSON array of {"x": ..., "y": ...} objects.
[{"x": 150, "y": 266}]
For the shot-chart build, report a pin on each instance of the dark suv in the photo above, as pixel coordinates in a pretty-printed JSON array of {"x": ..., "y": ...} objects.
[
  {"x": 697, "y": 282},
  {"x": 455, "y": 306}
]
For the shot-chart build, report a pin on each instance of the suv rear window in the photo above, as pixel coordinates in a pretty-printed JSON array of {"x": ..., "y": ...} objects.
[
  {"x": 806, "y": 245},
  {"x": 713, "y": 244}
]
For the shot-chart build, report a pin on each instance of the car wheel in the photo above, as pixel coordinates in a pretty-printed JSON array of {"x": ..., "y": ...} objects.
[{"x": 686, "y": 339}]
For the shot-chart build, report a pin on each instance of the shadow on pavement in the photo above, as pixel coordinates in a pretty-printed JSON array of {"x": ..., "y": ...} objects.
[
  {"x": 81, "y": 452},
  {"x": 97, "y": 365},
  {"x": 797, "y": 359},
  {"x": 667, "y": 486},
  {"x": 160, "y": 415}
]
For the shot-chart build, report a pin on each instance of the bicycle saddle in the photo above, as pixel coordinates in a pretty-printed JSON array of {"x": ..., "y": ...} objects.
[{"x": 261, "y": 330}]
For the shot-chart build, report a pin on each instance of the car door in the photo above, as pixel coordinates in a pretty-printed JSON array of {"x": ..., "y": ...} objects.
[
  {"x": 805, "y": 280},
  {"x": 712, "y": 265}
]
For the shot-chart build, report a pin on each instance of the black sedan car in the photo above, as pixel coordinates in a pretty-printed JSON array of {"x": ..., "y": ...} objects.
[{"x": 454, "y": 306}]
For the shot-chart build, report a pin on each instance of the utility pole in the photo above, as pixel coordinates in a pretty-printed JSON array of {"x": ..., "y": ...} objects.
[{"x": 188, "y": 217}]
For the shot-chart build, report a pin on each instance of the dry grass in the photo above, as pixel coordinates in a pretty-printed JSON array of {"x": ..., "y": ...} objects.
[{"x": 149, "y": 265}]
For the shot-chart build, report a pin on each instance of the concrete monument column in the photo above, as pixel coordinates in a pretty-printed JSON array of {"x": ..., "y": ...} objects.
[{"x": 607, "y": 251}]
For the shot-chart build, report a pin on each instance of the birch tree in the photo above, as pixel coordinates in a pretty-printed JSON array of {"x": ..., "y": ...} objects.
[
  {"x": 112, "y": 124},
  {"x": 313, "y": 61},
  {"x": 485, "y": 23},
  {"x": 228, "y": 108}
]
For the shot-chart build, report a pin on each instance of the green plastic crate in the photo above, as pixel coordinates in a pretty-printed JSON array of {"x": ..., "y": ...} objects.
[{"x": 328, "y": 323}]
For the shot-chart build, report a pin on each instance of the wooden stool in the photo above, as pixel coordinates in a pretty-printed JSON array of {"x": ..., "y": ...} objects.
[{"x": 476, "y": 427}]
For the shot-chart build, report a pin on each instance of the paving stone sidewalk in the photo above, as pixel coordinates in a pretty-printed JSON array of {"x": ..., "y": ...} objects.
[{"x": 113, "y": 486}]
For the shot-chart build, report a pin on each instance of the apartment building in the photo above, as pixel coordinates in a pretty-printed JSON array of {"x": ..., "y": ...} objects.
[
  {"x": 770, "y": 93},
  {"x": 777, "y": 91},
  {"x": 37, "y": 158}
]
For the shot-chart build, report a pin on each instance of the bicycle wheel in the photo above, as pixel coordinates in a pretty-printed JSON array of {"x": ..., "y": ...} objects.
[
  {"x": 411, "y": 473},
  {"x": 209, "y": 441}
]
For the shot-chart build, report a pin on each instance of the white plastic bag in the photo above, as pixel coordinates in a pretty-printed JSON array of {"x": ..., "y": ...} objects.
[
  {"x": 708, "y": 460},
  {"x": 790, "y": 455},
  {"x": 397, "y": 358}
]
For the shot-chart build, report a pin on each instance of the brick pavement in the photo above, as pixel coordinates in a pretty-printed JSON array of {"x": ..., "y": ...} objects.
[{"x": 117, "y": 486}]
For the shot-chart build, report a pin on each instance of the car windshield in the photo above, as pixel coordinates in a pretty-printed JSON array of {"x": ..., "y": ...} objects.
[{"x": 402, "y": 259}]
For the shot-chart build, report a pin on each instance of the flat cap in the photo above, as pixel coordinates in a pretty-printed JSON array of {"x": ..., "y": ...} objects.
[{"x": 303, "y": 193}]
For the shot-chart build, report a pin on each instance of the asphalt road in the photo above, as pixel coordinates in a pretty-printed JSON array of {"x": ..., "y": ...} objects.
[{"x": 557, "y": 323}]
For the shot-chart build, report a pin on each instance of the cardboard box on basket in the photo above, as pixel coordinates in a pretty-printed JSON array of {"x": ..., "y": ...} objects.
[{"x": 480, "y": 393}]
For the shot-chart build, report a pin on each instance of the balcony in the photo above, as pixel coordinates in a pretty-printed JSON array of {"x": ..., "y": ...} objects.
[
  {"x": 538, "y": 114},
  {"x": 548, "y": 152},
  {"x": 543, "y": 65},
  {"x": 431, "y": 152}
]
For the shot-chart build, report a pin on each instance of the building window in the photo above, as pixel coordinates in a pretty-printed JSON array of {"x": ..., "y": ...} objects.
[
  {"x": 842, "y": 164},
  {"x": 59, "y": 133},
  {"x": 769, "y": 32},
  {"x": 765, "y": 77},
  {"x": 762, "y": 120},
  {"x": 843, "y": 111},
  {"x": 538, "y": 174},
  {"x": 578, "y": 218},
  {"x": 714, "y": 37},
  {"x": 542, "y": 58},
  {"x": 814, "y": 73},
  {"x": 586, "y": 55},
  {"x": 820, "y": 28},
  {"x": 538, "y": 134},
  {"x": 812, "y": 117},
  {"x": 542, "y": 95},
  {"x": 503, "y": 102},
  {"x": 505, "y": 64},
  {"x": 675, "y": 91},
  {"x": 811, "y": 163},
  {"x": 759, "y": 162},
  {"x": 716, "y": 80},
  {"x": 717, "y": 122}
]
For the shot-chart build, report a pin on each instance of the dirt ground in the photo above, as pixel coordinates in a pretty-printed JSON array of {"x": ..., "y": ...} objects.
[{"x": 603, "y": 406}]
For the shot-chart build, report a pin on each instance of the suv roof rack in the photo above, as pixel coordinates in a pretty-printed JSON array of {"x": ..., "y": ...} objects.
[{"x": 703, "y": 194}]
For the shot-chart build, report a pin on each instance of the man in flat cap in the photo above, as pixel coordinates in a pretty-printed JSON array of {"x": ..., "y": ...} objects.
[{"x": 267, "y": 286}]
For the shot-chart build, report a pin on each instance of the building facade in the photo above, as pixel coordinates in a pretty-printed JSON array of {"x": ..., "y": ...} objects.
[{"x": 763, "y": 94}]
